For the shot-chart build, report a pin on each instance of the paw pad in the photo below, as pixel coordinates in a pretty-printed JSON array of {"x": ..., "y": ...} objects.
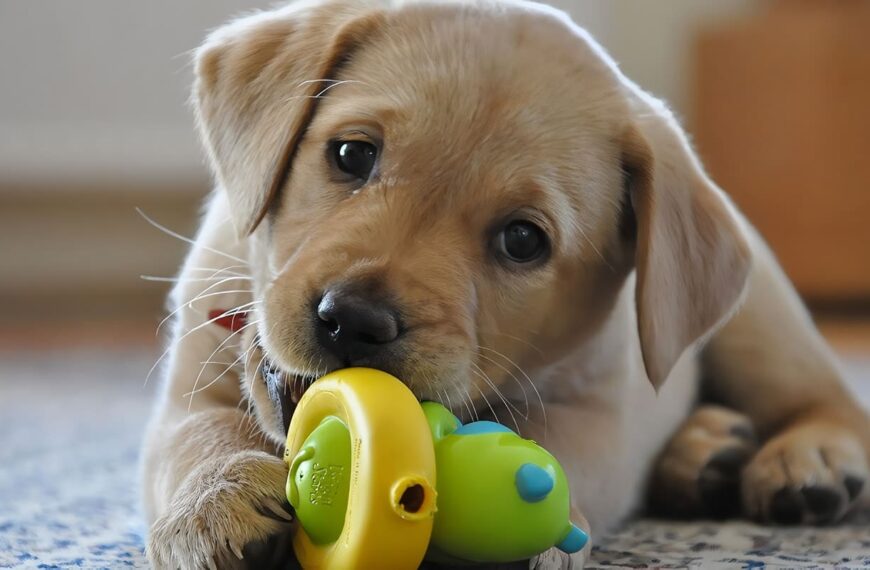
[
  {"x": 786, "y": 507},
  {"x": 823, "y": 502}
]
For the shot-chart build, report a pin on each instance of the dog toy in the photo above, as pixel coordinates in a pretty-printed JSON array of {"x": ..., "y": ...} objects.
[{"x": 378, "y": 480}]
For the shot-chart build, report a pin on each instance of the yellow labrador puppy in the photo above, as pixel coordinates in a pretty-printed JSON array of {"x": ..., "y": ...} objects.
[{"x": 471, "y": 196}]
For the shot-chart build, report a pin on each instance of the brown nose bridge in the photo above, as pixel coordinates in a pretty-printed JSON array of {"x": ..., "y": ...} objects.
[
  {"x": 405, "y": 241},
  {"x": 366, "y": 281},
  {"x": 398, "y": 258},
  {"x": 406, "y": 222}
]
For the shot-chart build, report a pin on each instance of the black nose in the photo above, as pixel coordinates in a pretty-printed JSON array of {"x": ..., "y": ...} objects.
[{"x": 353, "y": 325}]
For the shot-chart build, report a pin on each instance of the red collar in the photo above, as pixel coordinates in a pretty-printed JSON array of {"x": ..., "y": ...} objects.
[{"x": 228, "y": 319}]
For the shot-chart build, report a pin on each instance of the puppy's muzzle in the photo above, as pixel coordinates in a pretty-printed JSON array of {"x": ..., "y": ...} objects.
[{"x": 354, "y": 323}]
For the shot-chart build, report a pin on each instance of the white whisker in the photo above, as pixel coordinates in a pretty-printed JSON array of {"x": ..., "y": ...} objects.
[
  {"x": 222, "y": 374},
  {"x": 466, "y": 402},
  {"x": 250, "y": 409},
  {"x": 507, "y": 402},
  {"x": 449, "y": 405},
  {"x": 501, "y": 397},
  {"x": 191, "y": 279},
  {"x": 528, "y": 379},
  {"x": 231, "y": 269},
  {"x": 178, "y": 341},
  {"x": 472, "y": 411},
  {"x": 200, "y": 296},
  {"x": 185, "y": 239},
  {"x": 512, "y": 375},
  {"x": 255, "y": 373},
  {"x": 485, "y": 399}
]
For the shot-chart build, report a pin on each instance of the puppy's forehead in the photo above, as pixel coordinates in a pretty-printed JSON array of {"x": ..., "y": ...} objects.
[
  {"x": 500, "y": 76},
  {"x": 484, "y": 109}
]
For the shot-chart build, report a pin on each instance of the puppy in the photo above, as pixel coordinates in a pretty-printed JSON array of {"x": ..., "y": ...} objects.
[{"x": 472, "y": 197}]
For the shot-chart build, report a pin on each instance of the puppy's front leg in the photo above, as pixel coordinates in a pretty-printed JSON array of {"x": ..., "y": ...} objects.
[
  {"x": 211, "y": 482},
  {"x": 222, "y": 490},
  {"x": 770, "y": 363}
]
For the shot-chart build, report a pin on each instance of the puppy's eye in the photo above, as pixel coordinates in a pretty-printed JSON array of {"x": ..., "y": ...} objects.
[
  {"x": 355, "y": 158},
  {"x": 522, "y": 241}
]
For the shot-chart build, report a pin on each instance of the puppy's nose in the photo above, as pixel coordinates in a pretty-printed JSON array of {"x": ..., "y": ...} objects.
[{"x": 353, "y": 325}]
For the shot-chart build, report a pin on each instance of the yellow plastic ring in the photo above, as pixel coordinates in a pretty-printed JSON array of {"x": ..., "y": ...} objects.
[{"x": 391, "y": 502}]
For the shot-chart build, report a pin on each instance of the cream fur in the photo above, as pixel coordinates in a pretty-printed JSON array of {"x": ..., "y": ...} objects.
[{"x": 546, "y": 126}]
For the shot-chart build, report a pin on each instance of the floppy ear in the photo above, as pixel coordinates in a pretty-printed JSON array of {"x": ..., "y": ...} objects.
[
  {"x": 691, "y": 257},
  {"x": 257, "y": 84}
]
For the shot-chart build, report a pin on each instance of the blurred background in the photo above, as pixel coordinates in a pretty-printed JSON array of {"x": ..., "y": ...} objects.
[{"x": 94, "y": 123}]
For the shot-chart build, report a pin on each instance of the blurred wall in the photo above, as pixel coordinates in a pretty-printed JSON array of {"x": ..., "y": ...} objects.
[
  {"x": 94, "y": 122},
  {"x": 652, "y": 41},
  {"x": 98, "y": 88}
]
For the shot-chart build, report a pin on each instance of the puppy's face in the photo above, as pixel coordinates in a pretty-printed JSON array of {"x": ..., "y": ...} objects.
[
  {"x": 452, "y": 222},
  {"x": 455, "y": 205}
]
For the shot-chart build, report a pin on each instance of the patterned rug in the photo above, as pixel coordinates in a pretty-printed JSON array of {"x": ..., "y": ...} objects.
[{"x": 70, "y": 426}]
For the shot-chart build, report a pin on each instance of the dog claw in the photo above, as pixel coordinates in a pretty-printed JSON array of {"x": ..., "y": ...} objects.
[
  {"x": 235, "y": 549},
  {"x": 278, "y": 510}
]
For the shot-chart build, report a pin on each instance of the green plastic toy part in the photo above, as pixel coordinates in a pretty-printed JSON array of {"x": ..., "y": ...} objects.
[
  {"x": 500, "y": 498},
  {"x": 320, "y": 473}
]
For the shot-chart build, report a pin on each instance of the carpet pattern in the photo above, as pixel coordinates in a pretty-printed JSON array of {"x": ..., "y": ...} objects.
[{"x": 70, "y": 428}]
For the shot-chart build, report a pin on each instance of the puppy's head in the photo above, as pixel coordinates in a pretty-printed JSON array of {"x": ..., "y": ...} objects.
[{"x": 455, "y": 194}]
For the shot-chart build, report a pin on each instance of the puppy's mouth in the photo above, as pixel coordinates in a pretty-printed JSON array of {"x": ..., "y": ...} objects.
[{"x": 284, "y": 389}]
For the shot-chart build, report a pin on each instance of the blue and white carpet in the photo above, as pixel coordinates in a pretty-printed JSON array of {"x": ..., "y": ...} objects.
[{"x": 70, "y": 427}]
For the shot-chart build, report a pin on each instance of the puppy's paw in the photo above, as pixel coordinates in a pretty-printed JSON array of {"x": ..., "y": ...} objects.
[
  {"x": 698, "y": 473},
  {"x": 222, "y": 507},
  {"x": 810, "y": 474}
]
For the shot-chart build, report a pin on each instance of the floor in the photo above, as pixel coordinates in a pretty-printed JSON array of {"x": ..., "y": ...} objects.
[{"x": 71, "y": 418}]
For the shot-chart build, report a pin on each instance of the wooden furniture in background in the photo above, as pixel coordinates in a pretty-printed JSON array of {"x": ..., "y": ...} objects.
[{"x": 782, "y": 122}]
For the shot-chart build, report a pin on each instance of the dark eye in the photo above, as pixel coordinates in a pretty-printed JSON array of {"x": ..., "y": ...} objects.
[
  {"x": 356, "y": 158},
  {"x": 522, "y": 241}
]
